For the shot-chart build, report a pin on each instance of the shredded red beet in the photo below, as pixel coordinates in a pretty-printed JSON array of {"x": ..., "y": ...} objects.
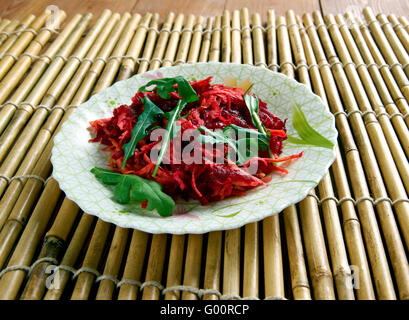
[{"x": 218, "y": 106}]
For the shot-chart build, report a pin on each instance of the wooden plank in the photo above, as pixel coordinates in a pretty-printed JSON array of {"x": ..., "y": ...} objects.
[
  {"x": 398, "y": 7},
  {"x": 17, "y": 9},
  {"x": 206, "y": 8},
  {"x": 279, "y": 7}
]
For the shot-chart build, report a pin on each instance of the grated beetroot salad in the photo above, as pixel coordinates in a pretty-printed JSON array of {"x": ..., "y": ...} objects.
[{"x": 218, "y": 107}]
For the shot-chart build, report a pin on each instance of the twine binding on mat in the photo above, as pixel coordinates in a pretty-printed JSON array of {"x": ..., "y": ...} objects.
[
  {"x": 200, "y": 293},
  {"x": 269, "y": 66},
  {"x": 64, "y": 109}
]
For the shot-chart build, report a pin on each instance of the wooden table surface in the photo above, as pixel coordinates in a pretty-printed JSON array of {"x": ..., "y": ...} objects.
[{"x": 17, "y": 9}]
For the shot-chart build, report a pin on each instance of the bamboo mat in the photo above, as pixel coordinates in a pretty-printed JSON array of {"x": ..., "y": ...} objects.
[{"x": 348, "y": 239}]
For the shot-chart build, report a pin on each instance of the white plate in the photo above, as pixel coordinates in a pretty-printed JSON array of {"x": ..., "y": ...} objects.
[{"x": 73, "y": 156}]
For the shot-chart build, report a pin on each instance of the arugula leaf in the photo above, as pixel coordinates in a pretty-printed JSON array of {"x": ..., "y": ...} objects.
[
  {"x": 130, "y": 186},
  {"x": 140, "y": 130},
  {"x": 307, "y": 134},
  {"x": 166, "y": 85},
  {"x": 172, "y": 116}
]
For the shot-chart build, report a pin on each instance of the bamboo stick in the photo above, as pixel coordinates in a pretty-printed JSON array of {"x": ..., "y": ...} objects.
[
  {"x": 7, "y": 202},
  {"x": 245, "y": 37},
  {"x": 226, "y": 37},
  {"x": 175, "y": 265},
  {"x": 133, "y": 50},
  {"x": 38, "y": 91},
  {"x": 15, "y": 186},
  {"x": 113, "y": 263},
  {"x": 172, "y": 44},
  {"x": 65, "y": 218},
  {"x": 375, "y": 99},
  {"x": 194, "y": 50},
  {"x": 377, "y": 256},
  {"x": 160, "y": 46},
  {"x": 231, "y": 264},
  {"x": 336, "y": 245},
  {"x": 273, "y": 265},
  {"x": 394, "y": 42},
  {"x": 390, "y": 229},
  {"x": 176, "y": 254},
  {"x": 38, "y": 68},
  {"x": 392, "y": 85},
  {"x": 8, "y": 27},
  {"x": 353, "y": 237},
  {"x": 23, "y": 63},
  {"x": 15, "y": 221},
  {"x": 299, "y": 279},
  {"x": 62, "y": 276},
  {"x": 271, "y": 41},
  {"x": 83, "y": 285},
  {"x": 251, "y": 244},
  {"x": 213, "y": 264},
  {"x": 388, "y": 53},
  {"x": 7, "y": 61},
  {"x": 194, "y": 245},
  {"x": 405, "y": 23},
  {"x": 214, "y": 240},
  {"x": 16, "y": 154},
  {"x": 10, "y": 282},
  {"x": 236, "y": 37},
  {"x": 214, "y": 53},
  {"x": 52, "y": 247},
  {"x": 3, "y": 24},
  {"x": 15, "y": 29},
  {"x": 381, "y": 87},
  {"x": 185, "y": 40},
  {"x": 191, "y": 276},
  {"x": 321, "y": 276},
  {"x": 206, "y": 41},
  {"x": 110, "y": 70},
  {"x": 400, "y": 31},
  {"x": 137, "y": 251},
  {"x": 177, "y": 244},
  {"x": 393, "y": 183},
  {"x": 85, "y": 280}
]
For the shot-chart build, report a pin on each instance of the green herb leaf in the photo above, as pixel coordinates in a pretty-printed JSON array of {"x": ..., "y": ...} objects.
[
  {"x": 252, "y": 104},
  {"x": 165, "y": 86},
  {"x": 129, "y": 186},
  {"x": 263, "y": 140},
  {"x": 307, "y": 134},
  {"x": 245, "y": 148},
  {"x": 140, "y": 130},
  {"x": 172, "y": 117}
]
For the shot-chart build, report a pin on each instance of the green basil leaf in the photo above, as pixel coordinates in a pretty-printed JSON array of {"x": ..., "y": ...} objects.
[
  {"x": 141, "y": 128},
  {"x": 129, "y": 186}
]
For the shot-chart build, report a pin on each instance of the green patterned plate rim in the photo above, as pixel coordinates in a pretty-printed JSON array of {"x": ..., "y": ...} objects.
[{"x": 73, "y": 156}]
